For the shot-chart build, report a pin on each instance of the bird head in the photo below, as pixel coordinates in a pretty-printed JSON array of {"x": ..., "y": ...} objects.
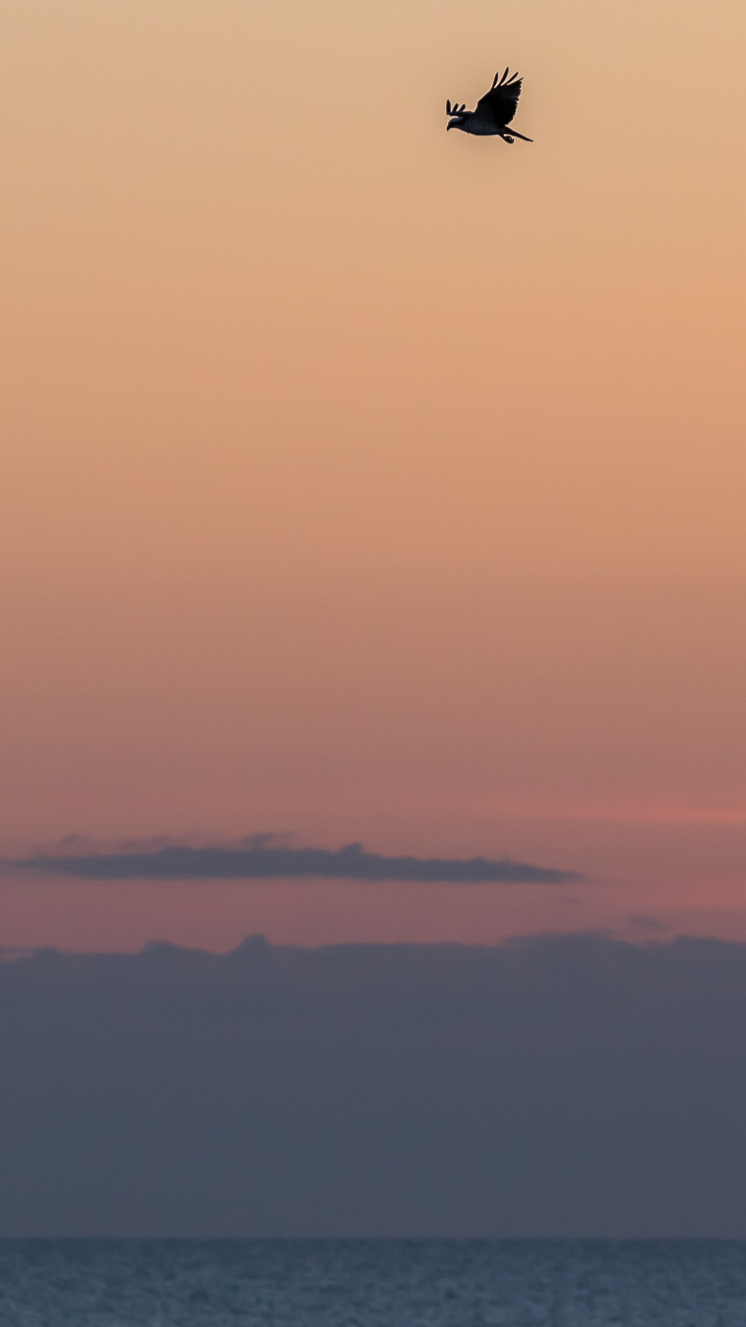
[{"x": 459, "y": 116}]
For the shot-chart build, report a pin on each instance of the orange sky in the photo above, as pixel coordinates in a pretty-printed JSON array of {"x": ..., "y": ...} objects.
[{"x": 368, "y": 482}]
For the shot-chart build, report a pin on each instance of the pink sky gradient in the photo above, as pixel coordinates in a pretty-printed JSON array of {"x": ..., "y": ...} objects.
[{"x": 365, "y": 482}]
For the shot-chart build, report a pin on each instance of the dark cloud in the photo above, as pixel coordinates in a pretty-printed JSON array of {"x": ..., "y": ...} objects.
[
  {"x": 261, "y": 858},
  {"x": 644, "y": 921},
  {"x": 573, "y": 1086}
]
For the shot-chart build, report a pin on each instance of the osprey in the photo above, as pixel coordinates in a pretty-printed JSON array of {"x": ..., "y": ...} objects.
[{"x": 494, "y": 110}]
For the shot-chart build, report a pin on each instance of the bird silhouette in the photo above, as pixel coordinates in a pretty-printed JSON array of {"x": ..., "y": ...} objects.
[{"x": 494, "y": 111}]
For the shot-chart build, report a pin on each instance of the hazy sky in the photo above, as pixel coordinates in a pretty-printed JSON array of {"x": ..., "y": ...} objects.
[
  {"x": 566, "y": 1086},
  {"x": 364, "y": 482}
]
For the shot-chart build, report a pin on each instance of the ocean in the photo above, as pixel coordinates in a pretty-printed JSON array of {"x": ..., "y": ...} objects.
[{"x": 372, "y": 1283}]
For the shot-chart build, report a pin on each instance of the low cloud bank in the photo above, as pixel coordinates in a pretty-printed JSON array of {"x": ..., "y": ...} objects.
[
  {"x": 260, "y": 859},
  {"x": 566, "y": 1086}
]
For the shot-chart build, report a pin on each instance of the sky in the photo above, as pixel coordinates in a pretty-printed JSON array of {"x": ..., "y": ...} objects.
[
  {"x": 560, "y": 1086},
  {"x": 363, "y": 483}
]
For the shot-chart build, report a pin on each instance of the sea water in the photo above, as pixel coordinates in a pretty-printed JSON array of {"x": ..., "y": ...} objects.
[{"x": 376, "y": 1283}]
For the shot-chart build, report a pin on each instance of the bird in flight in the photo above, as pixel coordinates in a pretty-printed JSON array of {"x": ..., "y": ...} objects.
[{"x": 494, "y": 111}]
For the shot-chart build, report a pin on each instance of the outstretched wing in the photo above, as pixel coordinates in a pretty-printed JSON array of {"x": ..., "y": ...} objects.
[{"x": 499, "y": 104}]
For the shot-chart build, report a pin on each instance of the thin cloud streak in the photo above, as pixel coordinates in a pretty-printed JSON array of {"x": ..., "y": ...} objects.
[{"x": 256, "y": 859}]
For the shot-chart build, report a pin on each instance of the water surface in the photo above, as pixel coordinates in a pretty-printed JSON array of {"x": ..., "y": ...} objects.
[{"x": 359, "y": 1283}]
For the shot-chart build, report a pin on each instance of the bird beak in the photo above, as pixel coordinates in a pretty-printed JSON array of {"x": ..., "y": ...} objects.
[{"x": 453, "y": 124}]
